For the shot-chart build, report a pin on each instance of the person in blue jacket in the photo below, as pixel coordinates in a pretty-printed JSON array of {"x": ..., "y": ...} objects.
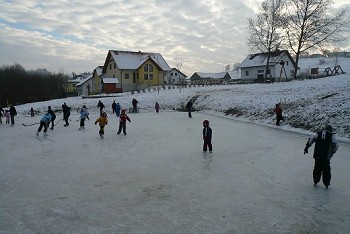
[
  {"x": 84, "y": 114},
  {"x": 117, "y": 109},
  {"x": 44, "y": 122}
]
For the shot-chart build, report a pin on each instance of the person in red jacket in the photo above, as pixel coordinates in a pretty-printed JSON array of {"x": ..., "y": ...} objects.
[
  {"x": 278, "y": 111},
  {"x": 122, "y": 122}
]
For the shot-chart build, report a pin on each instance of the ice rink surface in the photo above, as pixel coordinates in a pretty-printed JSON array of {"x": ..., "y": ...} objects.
[{"x": 157, "y": 180}]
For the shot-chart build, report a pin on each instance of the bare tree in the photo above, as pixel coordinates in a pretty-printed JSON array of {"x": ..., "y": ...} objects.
[
  {"x": 178, "y": 63},
  {"x": 227, "y": 67},
  {"x": 310, "y": 24},
  {"x": 265, "y": 31}
]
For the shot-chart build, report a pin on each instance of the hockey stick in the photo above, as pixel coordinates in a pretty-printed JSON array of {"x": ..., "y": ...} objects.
[
  {"x": 58, "y": 121},
  {"x": 26, "y": 125}
]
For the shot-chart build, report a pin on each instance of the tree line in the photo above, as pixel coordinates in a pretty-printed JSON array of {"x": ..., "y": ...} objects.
[
  {"x": 18, "y": 86},
  {"x": 296, "y": 26}
]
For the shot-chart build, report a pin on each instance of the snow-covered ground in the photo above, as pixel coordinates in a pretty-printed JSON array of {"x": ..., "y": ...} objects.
[{"x": 156, "y": 179}]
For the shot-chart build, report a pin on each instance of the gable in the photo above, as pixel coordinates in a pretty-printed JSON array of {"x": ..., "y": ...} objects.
[{"x": 260, "y": 59}]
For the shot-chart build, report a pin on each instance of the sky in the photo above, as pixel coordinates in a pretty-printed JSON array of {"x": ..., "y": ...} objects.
[
  {"x": 156, "y": 178},
  {"x": 75, "y": 36}
]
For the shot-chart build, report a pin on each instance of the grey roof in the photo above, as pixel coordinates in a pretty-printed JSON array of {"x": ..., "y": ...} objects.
[
  {"x": 218, "y": 75},
  {"x": 133, "y": 60},
  {"x": 110, "y": 80}
]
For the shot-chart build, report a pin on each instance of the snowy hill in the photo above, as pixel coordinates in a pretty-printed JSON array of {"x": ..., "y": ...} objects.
[{"x": 308, "y": 104}]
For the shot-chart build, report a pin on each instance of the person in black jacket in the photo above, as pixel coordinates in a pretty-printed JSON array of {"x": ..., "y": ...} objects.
[
  {"x": 207, "y": 134},
  {"x": 101, "y": 106},
  {"x": 66, "y": 113},
  {"x": 13, "y": 112},
  {"x": 189, "y": 108},
  {"x": 325, "y": 146},
  {"x": 53, "y": 117}
]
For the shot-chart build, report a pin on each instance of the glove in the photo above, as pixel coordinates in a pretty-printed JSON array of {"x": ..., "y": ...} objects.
[{"x": 306, "y": 150}]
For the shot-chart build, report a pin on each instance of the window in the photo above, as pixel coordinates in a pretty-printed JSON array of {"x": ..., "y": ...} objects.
[
  {"x": 110, "y": 66},
  {"x": 246, "y": 73},
  {"x": 148, "y": 68},
  {"x": 145, "y": 76},
  {"x": 172, "y": 74},
  {"x": 260, "y": 71},
  {"x": 175, "y": 74},
  {"x": 126, "y": 76},
  {"x": 150, "y": 76},
  {"x": 115, "y": 65},
  {"x": 287, "y": 62}
]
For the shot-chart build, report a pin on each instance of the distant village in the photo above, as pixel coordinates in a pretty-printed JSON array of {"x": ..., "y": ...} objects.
[{"x": 128, "y": 71}]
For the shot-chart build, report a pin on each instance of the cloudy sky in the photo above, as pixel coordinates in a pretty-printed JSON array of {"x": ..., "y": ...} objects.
[{"x": 75, "y": 36}]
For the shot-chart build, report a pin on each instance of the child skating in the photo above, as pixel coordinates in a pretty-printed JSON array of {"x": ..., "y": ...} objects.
[
  {"x": 122, "y": 122},
  {"x": 207, "y": 133},
  {"x": 102, "y": 120},
  {"x": 84, "y": 114},
  {"x": 44, "y": 122}
]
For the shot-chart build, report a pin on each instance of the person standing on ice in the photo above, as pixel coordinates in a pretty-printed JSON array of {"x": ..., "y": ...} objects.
[
  {"x": 189, "y": 108},
  {"x": 325, "y": 146},
  {"x": 278, "y": 111},
  {"x": 53, "y": 117},
  {"x": 13, "y": 112},
  {"x": 31, "y": 112},
  {"x": 102, "y": 120},
  {"x": 2, "y": 112},
  {"x": 117, "y": 109},
  {"x": 134, "y": 105},
  {"x": 66, "y": 113},
  {"x": 84, "y": 114},
  {"x": 44, "y": 122},
  {"x": 156, "y": 106},
  {"x": 122, "y": 122},
  {"x": 207, "y": 134},
  {"x": 113, "y": 107},
  {"x": 101, "y": 106}
]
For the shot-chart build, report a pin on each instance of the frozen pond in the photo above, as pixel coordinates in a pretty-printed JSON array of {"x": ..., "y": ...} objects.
[{"x": 156, "y": 179}]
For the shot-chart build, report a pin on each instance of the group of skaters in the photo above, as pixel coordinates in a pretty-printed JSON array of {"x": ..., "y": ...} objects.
[{"x": 9, "y": 115}]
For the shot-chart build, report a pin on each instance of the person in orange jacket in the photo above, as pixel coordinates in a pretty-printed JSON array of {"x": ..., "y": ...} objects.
[{"x": 102, "y": 120}]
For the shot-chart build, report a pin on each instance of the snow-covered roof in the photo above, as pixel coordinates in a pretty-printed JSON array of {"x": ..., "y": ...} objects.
[
  {"x": 98, "y": 70},
  {"x": 110, "y": 80},
  {"x": 133, "y": 60},
  {"x": 260, "y": 59},
  {"x": 83, "y": 80}
]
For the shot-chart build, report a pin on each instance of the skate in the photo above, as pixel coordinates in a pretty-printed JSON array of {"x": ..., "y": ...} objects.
[
  {"x": 101, "y": 135},
  {"x": 37, "y": 133},
  {"x": 45, "y": 134}
]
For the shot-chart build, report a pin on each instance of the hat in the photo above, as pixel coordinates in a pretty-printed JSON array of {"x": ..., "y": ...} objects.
[{"x": 329, "y": 128}]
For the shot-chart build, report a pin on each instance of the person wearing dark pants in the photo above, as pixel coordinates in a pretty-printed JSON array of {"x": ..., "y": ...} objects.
[
  {"x": 189, "y": 108},
  {"x": 122, "y": 122},
  {"x": 207, "y": 134},
  {"x": 44, "y": 123},
  {"x": 66, "y": 113},
  {"x": 325, "y": 146},
  {"x": 13, "y": 112},
  {"x": 53, "y": 117}
]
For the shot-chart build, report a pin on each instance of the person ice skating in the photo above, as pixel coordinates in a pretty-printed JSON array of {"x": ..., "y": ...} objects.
[
  {"x": 84, "y": 114},
  {"x": 44, "y": 122},
  {"x": 53, "y": 117},
  {"x": 122, "y": 122},
  {"x": 113, "y": 107},
  {"x": 189, "y": 108},
  {"x": 117, "y": 109},
  {"x": 31, "y": 112},
  {"x": 278, "y": 111},
  {"x": 134, "y": 105},
  {"x": 13, "y": 113},
  {"x": 101, "y": 106},
  {"x": 7, "y": 116},
  {"x": 66, "y": 113},
  {"x": 156, "y": 106},
  {"x": 207, "y": 134},
  {"x": 325, "y": 146},
  {"x": 102, "y": 120},
  {"x": 2, "y": 113}
]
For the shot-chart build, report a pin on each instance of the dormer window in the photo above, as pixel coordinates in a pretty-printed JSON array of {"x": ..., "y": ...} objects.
[{"x": 148, "y": 68}]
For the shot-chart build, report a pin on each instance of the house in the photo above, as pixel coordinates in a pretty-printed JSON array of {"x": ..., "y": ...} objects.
[
  {"x": 97, "y": 84},
  {"x": 84, "y": 86},
  {"x": 174, "y": 77},
  {"x": 209, "y": 78},
  {"x": 135, "y": 70},
  {"x": 70, "y": 87},
  {"x": 281, "y": 67},
  {"x": 111, "y": 85}
]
